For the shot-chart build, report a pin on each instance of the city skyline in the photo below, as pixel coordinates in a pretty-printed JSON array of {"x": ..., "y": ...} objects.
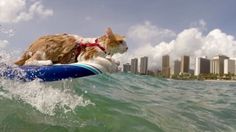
[{"x": 219, "y": 64}]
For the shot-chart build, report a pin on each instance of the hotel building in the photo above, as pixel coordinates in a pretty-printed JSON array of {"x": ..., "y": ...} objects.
[
  {"x": 177, "y": 66},
  {"x": 144, "y": 65},
  {"x": 134, "y": 65},
  {"x": 202, "y": 65},
  {"x": 184, "y": 64},
  {"x": 165, "y": 66},
  {"x": 217, "y": 64},
  {"x": 126, "y": 67},
  {"x": 229, "y": 66}
]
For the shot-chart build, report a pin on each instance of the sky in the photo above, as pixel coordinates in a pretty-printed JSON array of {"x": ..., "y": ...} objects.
[{"x": 152, "y": 28}]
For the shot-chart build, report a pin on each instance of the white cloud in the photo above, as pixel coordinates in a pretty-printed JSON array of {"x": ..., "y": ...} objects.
[
  {"x": 148, "y": 33},
  {"x": 3, "y": 43},
  {"x": 9, "y": 32},
  {"x": 190, "y": 41},
  {"x": 201, "y": 25},
  {"x": 13, "y": 11}
]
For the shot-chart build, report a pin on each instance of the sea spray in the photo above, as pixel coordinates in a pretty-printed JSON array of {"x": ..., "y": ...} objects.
[{"x": 42, "y": 97}]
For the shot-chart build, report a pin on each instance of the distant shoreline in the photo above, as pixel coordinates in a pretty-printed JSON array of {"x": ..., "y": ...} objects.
[
  {"x": 207, "y": 80},
  {"x": 220, "y": 80}
]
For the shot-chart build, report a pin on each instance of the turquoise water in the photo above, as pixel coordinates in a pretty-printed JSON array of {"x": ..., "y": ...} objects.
[{"x": 118, "y": 103}]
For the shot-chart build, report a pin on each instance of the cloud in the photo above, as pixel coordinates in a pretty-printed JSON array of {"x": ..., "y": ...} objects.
[
  {"x": 190, "y": 41},
  {"x": 200, "y": 25},
  {"x": 7, "y": 31},
  {"x": 3, "y": 43},
  {"x": 148, "y": 33},
  {"x": 13, "y": 11}
]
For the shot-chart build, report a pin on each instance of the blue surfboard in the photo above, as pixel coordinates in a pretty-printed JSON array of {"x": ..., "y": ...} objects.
[{"x": 49, "y": 73}]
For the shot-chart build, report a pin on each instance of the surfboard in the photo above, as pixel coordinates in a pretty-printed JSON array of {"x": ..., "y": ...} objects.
[{"x": 49, "y": 73}]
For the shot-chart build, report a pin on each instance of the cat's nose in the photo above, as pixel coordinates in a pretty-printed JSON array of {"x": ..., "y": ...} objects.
[{"x": 126, "y": 48}]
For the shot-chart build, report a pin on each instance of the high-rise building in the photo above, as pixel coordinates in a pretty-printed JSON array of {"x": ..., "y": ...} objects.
[
  {"x": 217, "y": 64},
  {"x": 184, "y": 64},
  {"x": 126, "y": 67},
  {"x": 229, "y": 66},
  {"x": 177, "y": 66},
  {"x": 134, "y": 65},
  {"x": 166, "y": 61},
  {"x": 165, "y": 66},
  {"x": 202, "y": 65},
  {"x": 144, "y": 65},
  {"x": 235, "y": 65}
]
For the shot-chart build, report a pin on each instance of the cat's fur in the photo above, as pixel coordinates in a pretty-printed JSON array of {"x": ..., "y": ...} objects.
[{"x": 62, "y": 49}]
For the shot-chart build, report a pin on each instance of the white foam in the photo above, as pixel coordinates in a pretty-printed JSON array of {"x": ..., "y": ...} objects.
[{"x": 43, "y": 97}]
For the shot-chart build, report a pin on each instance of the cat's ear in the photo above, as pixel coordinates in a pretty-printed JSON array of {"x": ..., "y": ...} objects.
[{"x": 109, "y": 33}]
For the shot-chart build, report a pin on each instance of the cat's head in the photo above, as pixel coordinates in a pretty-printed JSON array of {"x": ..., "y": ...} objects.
[{"x": 114, "y": 43}]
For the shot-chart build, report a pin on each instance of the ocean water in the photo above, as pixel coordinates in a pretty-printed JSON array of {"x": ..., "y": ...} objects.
[{"x": 118, "y": 102}]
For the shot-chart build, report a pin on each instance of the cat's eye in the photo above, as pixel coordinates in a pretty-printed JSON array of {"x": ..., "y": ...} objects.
[{"x": 120, "y": 41}]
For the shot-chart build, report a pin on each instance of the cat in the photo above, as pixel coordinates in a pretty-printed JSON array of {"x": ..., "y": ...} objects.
[{"x": 69, "y": 48}]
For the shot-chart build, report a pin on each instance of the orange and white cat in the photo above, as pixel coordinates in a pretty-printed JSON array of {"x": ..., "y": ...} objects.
[{"x": 68, "y": 48}]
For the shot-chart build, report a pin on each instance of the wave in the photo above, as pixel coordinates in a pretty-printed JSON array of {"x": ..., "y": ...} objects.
[
  {"x": 43, "y": 97},
  {"x": 117, "y": 102}
]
